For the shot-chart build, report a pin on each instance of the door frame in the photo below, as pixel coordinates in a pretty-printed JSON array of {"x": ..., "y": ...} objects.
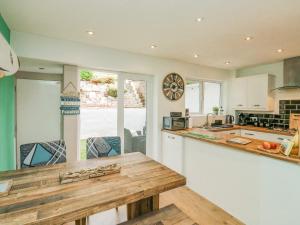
[{"x": 122, "y": 76}]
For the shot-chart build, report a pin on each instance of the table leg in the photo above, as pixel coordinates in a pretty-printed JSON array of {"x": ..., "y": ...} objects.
[
  {"x": 81, "y": 221},
  {"x": 142, "y": 206}
]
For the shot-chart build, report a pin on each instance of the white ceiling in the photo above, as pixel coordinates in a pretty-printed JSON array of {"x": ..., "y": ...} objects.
[{"x": 133, "y": 25}]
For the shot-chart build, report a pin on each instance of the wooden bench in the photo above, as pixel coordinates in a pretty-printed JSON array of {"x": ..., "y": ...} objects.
[{"x": 169, "y": 215}]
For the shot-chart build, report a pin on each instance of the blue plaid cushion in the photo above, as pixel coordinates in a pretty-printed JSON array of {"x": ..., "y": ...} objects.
[
  {"x": 103, "y": 147},
  {"x": 42, "y": 153}
]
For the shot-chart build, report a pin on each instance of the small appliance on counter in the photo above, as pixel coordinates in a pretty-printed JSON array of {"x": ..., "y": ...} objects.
[
  {"x": 254, "y": 121},
  {"x": 229, "y": 119},
  {"x": 175, "y": 121},
  {"x": 175, "y": 114},
  {"x": 242, "y": 119}
]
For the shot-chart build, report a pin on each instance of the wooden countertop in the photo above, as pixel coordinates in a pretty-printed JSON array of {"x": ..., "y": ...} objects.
[
  {"x": 37, "y": 197},
  {"x": 222, "y": 140}
]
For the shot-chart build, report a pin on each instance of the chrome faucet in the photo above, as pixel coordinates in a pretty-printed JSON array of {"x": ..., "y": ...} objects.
[{"x": 207, "y": 123}]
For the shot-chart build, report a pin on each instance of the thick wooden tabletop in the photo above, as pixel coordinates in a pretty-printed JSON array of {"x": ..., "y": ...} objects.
[{"x": 37, "y": 197}]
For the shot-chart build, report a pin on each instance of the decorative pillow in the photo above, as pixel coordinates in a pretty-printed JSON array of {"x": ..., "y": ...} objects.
[
  {"x": 103, "y": 147},
  {"x": 43, "y": 153}
]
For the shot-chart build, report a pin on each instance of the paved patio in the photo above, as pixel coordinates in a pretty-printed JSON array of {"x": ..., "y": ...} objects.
[{"x": 103, "y": 121}]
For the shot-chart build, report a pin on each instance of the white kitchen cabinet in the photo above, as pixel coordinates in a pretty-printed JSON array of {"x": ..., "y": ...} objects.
[
  {"x": 265, "y": 136},
  {"x": 253, "y": 93},
  {"x": 238, "y": 96},
  {"x": 259, "y": 92},
  {"x": 172, "y": 151}
]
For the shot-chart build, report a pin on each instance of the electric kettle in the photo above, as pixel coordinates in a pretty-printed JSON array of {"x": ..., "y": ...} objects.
[{"x": 229, "y": 119}]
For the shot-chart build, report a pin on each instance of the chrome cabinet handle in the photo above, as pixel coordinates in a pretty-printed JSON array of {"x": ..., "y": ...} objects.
[
  {"x": 281, "y": 139},
  {"x": 249, "y": 134},
  {"x": 171, "y": 137},
  {"x": 231, "y": 133},
  {"x": 239, "y": 105},
  {"x": 256, "y": 105}
]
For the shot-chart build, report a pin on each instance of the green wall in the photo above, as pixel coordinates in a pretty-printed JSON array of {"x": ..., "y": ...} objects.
[
  {"x": 4, "y": 29},
  {"x": 7, "y": 113}
]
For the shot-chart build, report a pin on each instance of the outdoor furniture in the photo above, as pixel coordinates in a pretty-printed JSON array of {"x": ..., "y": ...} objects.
[
  {"x": 98, "y": 147},
  {"x": 37, "y": 197},
  {"x": 42, "y": 153},
  {"x": 134, "y": 142}
]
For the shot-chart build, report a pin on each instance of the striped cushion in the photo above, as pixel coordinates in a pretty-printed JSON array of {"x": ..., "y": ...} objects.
[{"x": 103, "y": 147}]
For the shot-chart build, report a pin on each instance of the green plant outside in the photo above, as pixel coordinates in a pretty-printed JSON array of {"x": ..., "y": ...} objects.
[
  {"x": 83, "y": 149},
  {"x": 103, "y": 80},
  {"x": 112, "y": 92},
  {"x": 86, "y": 75}
]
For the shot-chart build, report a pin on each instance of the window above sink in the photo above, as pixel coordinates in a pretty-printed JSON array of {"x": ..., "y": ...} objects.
[{"x": 202, "y": 95}]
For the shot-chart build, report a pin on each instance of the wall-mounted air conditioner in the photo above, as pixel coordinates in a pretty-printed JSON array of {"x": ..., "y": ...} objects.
[{"x": 9, "y": 63}]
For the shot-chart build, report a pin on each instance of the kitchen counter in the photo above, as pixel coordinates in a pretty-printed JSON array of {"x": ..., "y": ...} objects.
[
  {"x": 220, "y": 138},
  {"x": 252, "y": 128},
  {"x": 233, "y": 175}
]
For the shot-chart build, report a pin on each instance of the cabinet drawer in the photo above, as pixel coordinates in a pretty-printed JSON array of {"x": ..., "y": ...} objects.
[
  {"x": 265, "y": 136},
  {"x": 249, "y": 134}
]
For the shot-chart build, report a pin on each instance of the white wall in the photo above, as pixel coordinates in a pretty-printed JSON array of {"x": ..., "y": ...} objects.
[
  {"x": 38, "y": 113},
  {"x": 256, "y": 189},
  {"x": 72, "y": 122},
  {"x": 82, "y": 55}
]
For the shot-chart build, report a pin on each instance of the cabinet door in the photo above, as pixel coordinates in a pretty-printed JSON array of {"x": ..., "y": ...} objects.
[
  {"x": 257, "y": 92},
  {"x": 172, "y": 151},
  {"x": 239, "y": 93}
]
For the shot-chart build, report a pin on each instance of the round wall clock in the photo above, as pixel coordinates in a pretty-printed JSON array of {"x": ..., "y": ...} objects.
[{"x": 173, "y": 86}]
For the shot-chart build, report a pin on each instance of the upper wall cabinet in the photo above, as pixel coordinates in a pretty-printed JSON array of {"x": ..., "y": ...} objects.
[
  {"x": 238, "y": 97},
  {"x": 252, "y": 93}
]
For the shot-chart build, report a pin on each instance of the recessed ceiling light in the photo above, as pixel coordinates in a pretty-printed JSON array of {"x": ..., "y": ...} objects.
[
  {"x": 196, "y": 56},
  {"x": 153, "y": 46},
  {"x": 279, "y": 50},
  {"x": 199, "y": 19},
  {"x": 227, "y": 62},
  {"x": 91, "y": 33},
  {"x": 248, "y": 38}
]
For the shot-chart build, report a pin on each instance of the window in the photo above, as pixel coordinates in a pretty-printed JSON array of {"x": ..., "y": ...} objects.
[
  {"x": 193, "y": 101},
  {"x": 202, "y": 96}
]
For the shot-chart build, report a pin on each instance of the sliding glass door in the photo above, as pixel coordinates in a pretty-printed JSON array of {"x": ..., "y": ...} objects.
[
  {"x": 135, "y": 116},
  {"x": 114, "y": 103}
]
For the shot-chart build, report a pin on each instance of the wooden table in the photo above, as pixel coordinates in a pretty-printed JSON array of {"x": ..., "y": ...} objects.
[{"x": 37, "y": 197}]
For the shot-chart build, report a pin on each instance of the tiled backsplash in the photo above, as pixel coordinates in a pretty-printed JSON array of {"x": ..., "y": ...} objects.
[
  {"x": 281, "y": 120},
  {"x": 289, "y": 106}
]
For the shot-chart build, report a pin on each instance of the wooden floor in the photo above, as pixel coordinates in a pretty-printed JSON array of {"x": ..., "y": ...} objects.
[{"x": 196, "y": 207}]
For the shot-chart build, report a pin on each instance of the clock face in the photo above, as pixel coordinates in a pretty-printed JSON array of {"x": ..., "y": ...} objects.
[{"x": 173, "y": 86}]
